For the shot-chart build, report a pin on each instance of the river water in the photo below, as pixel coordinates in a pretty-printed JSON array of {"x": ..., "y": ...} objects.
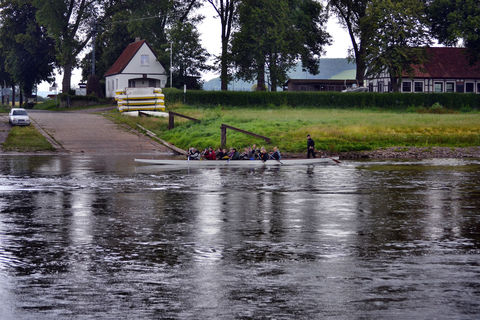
[{"x": 103, "y": 238}]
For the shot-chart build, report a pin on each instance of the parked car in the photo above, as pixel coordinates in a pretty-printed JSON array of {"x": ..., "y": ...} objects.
[{"x": 18, "y": 117}]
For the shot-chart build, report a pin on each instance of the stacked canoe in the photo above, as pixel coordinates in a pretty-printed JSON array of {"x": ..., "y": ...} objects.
[{"x": 140, "y": 99}]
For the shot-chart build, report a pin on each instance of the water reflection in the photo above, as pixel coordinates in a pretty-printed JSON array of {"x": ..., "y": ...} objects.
[{"x": 98, "y": 237}]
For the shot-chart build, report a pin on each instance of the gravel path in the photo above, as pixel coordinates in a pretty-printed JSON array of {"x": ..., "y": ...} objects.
[{"x": 91, "y": 133}]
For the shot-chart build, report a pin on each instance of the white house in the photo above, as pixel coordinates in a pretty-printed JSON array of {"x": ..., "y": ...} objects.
[
  {"x": 137, "y": 67},
  {"x": 446, "y": 70}
]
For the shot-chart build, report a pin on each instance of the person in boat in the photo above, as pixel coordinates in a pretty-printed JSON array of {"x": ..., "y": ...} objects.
[
  {"x": 209, "y": 154},
  {"x": 193, "y": 154},
  {"x": 264, "y": 156},
  {"x": 310, "y": 147},
  {"x": 225, "y": 155},
  {"x": 233, "y": 154},
  {"x": 276, "y": 155},
  {"x": 254, "y": 152},
  {"x": 219, "y": 154},
  {"x": 245, "y": 155}
]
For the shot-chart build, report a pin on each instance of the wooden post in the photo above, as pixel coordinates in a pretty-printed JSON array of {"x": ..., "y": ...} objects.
[
  {"x": 171, "y": 121},
  {"x": 223, "y": 141}
]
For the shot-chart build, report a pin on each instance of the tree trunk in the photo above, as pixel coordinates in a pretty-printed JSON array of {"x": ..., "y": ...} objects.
[
  {"x": 261, "y": 78},
  {"x": 395, "y": 84},
  {"x": 13, "y": 95},
  {"x": 361, "y": 65},
  {"x": 20, "y": 97},
  {"x": 224, "y": 66},
  {"x": 3, "y": 94},
  {"x": 67, "y": 76},
  {"x": 273, "y": 81}
]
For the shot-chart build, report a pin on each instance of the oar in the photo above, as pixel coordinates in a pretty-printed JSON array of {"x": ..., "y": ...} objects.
[{"x": 334, "y": 160}]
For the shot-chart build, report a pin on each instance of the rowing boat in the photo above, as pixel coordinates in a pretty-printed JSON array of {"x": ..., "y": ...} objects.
[{"x": 234, "y": 163}]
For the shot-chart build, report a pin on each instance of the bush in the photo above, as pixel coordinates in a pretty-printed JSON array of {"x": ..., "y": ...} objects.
[
  {"x": 390, "y": 101},
  {"x": 67, "y": 100}
]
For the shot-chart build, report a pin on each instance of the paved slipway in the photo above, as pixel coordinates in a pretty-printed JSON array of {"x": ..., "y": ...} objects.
[{"x": 89, "y": 132}]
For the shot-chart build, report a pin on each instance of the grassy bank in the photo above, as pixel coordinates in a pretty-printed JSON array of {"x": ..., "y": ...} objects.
[
  {"x": 26, "y": 139},
  {"x": 334, "y": 130}
]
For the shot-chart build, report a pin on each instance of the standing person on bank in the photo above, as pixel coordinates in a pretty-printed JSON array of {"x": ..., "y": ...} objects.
[{"x": 310, "y": 146}]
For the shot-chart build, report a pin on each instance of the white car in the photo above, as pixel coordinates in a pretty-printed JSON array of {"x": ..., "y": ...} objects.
[{"x": 18, "y": 117}]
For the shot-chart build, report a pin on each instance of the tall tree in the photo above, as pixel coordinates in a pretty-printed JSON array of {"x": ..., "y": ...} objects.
[
  {"x": 226, "y": 10},
  {"x": 69, "y": 23},
  {"x": 455, "y": 20},
  {"x": 28, "y": 53},
  {"x": 189, "y": 56},
  {"x": 401, "y": 33},
  {"x": 274, "y": 36},
  {"x": 353, "y": 15}
]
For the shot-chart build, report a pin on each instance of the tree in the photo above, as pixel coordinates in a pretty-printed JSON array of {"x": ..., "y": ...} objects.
[
  {"x": 69, "y": 24},
  {"x": 353, "y": 15},
  {"x": 226, "y": 10},
  {"x": 125, "y": 20},
  {"x": 189, "y": 56},
  {"x": 455, "y": 20},
  {"x": 28, "y": 53},
  {"x": 273, "y": 36},
  {"x": 401, "y": 33}
]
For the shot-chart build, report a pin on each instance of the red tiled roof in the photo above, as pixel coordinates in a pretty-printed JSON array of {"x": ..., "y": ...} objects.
[
  {"x": 447, "y": 63},
  {"x": 125, "y": 58}
]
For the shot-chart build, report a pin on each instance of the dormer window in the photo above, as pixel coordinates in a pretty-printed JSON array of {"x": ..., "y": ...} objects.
[{"x": 144, "y": 60}]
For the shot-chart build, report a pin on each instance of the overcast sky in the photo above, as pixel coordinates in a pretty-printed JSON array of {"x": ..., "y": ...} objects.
[{"x": 210, "y": 36}]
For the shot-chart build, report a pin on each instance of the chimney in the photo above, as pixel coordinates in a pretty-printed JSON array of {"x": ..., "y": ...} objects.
[{"x": 137, "y": 39}]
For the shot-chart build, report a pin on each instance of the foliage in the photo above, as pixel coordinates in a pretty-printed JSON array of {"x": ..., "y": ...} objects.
[
  {"x": 94, "y": 87},
  {"x": 389, "y": 101},
  {"x": 189, "y": 56},
  {"x": 274, "y": 35},
  {"x": 454, "y": 20},
  {"x": 69, "y": 25},
  {"x": 26, "y": 139},
  {"x": 26, "y": 50},
  {"x": 400, "y": 34},
  {"x": 158, "y": 22}
]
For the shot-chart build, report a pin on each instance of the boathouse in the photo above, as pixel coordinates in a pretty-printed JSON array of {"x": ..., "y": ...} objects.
[{"x": 136, "y": 67}]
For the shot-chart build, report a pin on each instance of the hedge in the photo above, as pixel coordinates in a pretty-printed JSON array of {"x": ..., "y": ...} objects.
[{"x": 400, "y": 101}]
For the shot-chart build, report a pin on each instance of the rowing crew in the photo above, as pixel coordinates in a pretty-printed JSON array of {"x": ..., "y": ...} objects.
[{"x": 250, "y": 153}]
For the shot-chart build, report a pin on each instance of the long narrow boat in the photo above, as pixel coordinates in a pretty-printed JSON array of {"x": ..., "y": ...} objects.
[{"x": 235, "y": 163}]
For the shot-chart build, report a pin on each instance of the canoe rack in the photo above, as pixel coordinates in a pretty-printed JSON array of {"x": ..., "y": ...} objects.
[{"x": 224, "y": 128}]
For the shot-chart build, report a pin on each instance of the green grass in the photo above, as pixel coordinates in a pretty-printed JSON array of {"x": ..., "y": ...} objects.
[
  {"x": 26, "y": 139},
  {"x": 334, "y": 130}
]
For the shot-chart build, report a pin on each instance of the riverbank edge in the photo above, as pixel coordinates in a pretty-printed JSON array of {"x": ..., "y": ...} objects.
[{"x": 398, "y": 153}]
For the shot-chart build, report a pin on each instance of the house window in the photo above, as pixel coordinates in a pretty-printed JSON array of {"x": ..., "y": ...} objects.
[
  {"x": 406, "y": 86},
  {"x": 438, "y": 87},
  {"x": 380, "y": 87},
  {"x": 449, "y": 87},
  {"x": 418, "y": 86},
  {"x": 370, "y": 87},
  {"x": 460, "y": 87},
  {"x": 469, "y": 87},
  {"x": 478, "y": 87},
  {"x": 144, "y": 60}
]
